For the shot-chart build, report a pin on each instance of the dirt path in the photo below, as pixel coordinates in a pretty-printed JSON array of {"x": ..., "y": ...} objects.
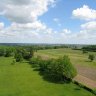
[{"x": 86, "y": 81}]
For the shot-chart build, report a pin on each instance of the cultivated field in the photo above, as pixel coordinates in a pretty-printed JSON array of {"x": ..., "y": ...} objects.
[
  {"x": 21, "y": 80},
  {"x": 85, "y": 68}
]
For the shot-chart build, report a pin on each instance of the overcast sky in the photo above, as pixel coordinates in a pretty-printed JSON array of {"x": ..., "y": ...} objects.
[{"x": 48, "y": 21}]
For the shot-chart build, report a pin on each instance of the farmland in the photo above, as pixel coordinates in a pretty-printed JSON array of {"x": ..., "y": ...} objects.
[
  {"x": 21, "y": 80},
  {"x": 85, "y": 68}
]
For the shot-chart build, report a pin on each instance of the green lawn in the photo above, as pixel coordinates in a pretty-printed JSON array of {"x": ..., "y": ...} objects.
[
  {"x": 21, "y": 80},
  {"x": 76, "y": 56}
]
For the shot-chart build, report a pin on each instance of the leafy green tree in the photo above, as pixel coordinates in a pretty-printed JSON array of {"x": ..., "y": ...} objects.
[
  {"x": 8, "y": 52},
  {"x": 84, "y": 51},
  {"x": 18, "y": 57},
  {"x": 91, "y": 57},
  {"x": 2, "y": 52},
  {"x": 56, "y": 69},
  {"x": 62, "y": 69}
]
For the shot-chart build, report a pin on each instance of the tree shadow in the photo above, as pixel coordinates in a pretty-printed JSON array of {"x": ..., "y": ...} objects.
[
  {"x": 77, "y": 89},
  {"x": 48, "y": 78},
  {"x": 88, "y": 61}
]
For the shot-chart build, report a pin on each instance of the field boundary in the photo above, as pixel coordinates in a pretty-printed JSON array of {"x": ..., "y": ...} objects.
[{"x": 84, "y": 87}]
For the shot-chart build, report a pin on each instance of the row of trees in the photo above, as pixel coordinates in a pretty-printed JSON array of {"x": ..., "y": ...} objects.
[
  {"x": 89, "y": 48},
  {"x": 58, "y": 70},
  {"x": 7, "y": 52},
  {"x": 19, "y": 53}
]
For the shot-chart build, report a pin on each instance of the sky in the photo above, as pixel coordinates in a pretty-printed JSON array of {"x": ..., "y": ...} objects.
[{"x": 48, "y": 21}]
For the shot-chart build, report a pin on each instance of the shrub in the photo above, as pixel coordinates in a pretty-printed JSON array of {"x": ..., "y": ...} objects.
[
  {"x": 8, "y": 52},
  {"x": 18, "y": 57},
  {"x": 91, "y": 57},
  {"x": 56, "y": 69},
  {"x": 61, "y": 69},
  {"x": 2, "y": 52},
  {"x": 84, "y": 51}
]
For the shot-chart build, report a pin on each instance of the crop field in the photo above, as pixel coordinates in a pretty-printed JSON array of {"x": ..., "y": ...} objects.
[
  {"x": 77, "y": 57},
  {"x": 85, "y": 68},
  {"x": 20, "y": 79}
]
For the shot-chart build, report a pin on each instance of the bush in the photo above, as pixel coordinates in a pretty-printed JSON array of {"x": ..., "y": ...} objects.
[
  {"x": 8, "y": 52},
  {"x": 61, "y": 69},
  {"x": 91, "y": 57},
  {"x": 18, "y": 57},
  {"x": 57, "y": 70},
  {"x": 84, "y": 51},
  {"x": 2, "y": 52}
]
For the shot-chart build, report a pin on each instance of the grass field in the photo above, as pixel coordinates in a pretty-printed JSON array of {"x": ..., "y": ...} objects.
[
  {"x": 85, "y": 68},
  {"x": 76, "y": 56},
  {"x": 21, "y": 80}
]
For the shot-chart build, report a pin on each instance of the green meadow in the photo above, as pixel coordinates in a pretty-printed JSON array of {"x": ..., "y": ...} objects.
[
  {"x": 21, "y": 79},
  {"x": 76, "y": 56}
]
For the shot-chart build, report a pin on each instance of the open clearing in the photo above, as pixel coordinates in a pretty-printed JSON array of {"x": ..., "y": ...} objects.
[
  {"x": 21, "y": 80},
  {"x": 85, "y": 68}
]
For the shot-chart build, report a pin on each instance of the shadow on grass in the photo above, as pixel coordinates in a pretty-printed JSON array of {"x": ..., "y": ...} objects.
[
  {"x": 88, "y": 61},
  {"x": 47, "y": 77},
  {"x": 50, "y": 79},
  {"x": 77, "y": 89}
]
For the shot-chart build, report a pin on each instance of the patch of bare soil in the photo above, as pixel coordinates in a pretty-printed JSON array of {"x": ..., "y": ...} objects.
[
  {"x": 87, "y": 72},
  {"x": 43, "y": 56},
  {"x": 86, "y": 81}
]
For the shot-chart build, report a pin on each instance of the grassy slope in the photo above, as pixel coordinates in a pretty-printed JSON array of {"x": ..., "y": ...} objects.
[
  {"x": 76, "y": 56},
  {"x": 21, "y": 80}
]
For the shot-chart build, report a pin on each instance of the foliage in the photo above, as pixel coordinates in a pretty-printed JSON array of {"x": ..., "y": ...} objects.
[
  {"x": 57, "y": 69},
  {"x": 18, "y": 56},
  {"x": 84, "y": 51},
  {"x": 91, "y": 57},
  {"x": 61, "y": 69},
  {"x": 2, "y": 52},
  {"x": 8, "y": 52},
  {"x": 28, "y": 54},
  {"x": 90, "y": 48},
  {"x": 23, "y": 53}
]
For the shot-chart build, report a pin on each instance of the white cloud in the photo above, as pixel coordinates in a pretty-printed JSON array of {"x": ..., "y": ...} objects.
[
  {"x": 1, "y": 25},
  {"x": 23, "y": 34},
  {"x": 24, "y": 11},
  {"x": 84, "y": 13},
  {"x": 89, "y": 26},
  {"x": 26, "y": 28},
  {"x": 66, "y": 31}
]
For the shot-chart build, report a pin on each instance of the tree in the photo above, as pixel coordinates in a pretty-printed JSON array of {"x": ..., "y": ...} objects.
[
  {"x": 55, "y": 69},
  {"x": 18, "y": 57},
  {"x": 8, "y": 52},
  {"x": 2, "y": 52},
  {"x": 91, "y": 57},
  {"x": 84, "y": 51},
  {"x": 62, "y": 69}
]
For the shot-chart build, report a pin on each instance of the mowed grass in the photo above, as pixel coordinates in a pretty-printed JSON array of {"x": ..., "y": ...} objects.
[
  {"x": 76, "y": 56},
  {"x": 21, "y": 80}
]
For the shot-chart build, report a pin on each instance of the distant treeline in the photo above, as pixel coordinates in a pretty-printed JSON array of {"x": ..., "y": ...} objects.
[
  {"x": 51, "y": 46},
  {"x": 89, "y": 48},
  {"x": 43, "y": 46}
]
